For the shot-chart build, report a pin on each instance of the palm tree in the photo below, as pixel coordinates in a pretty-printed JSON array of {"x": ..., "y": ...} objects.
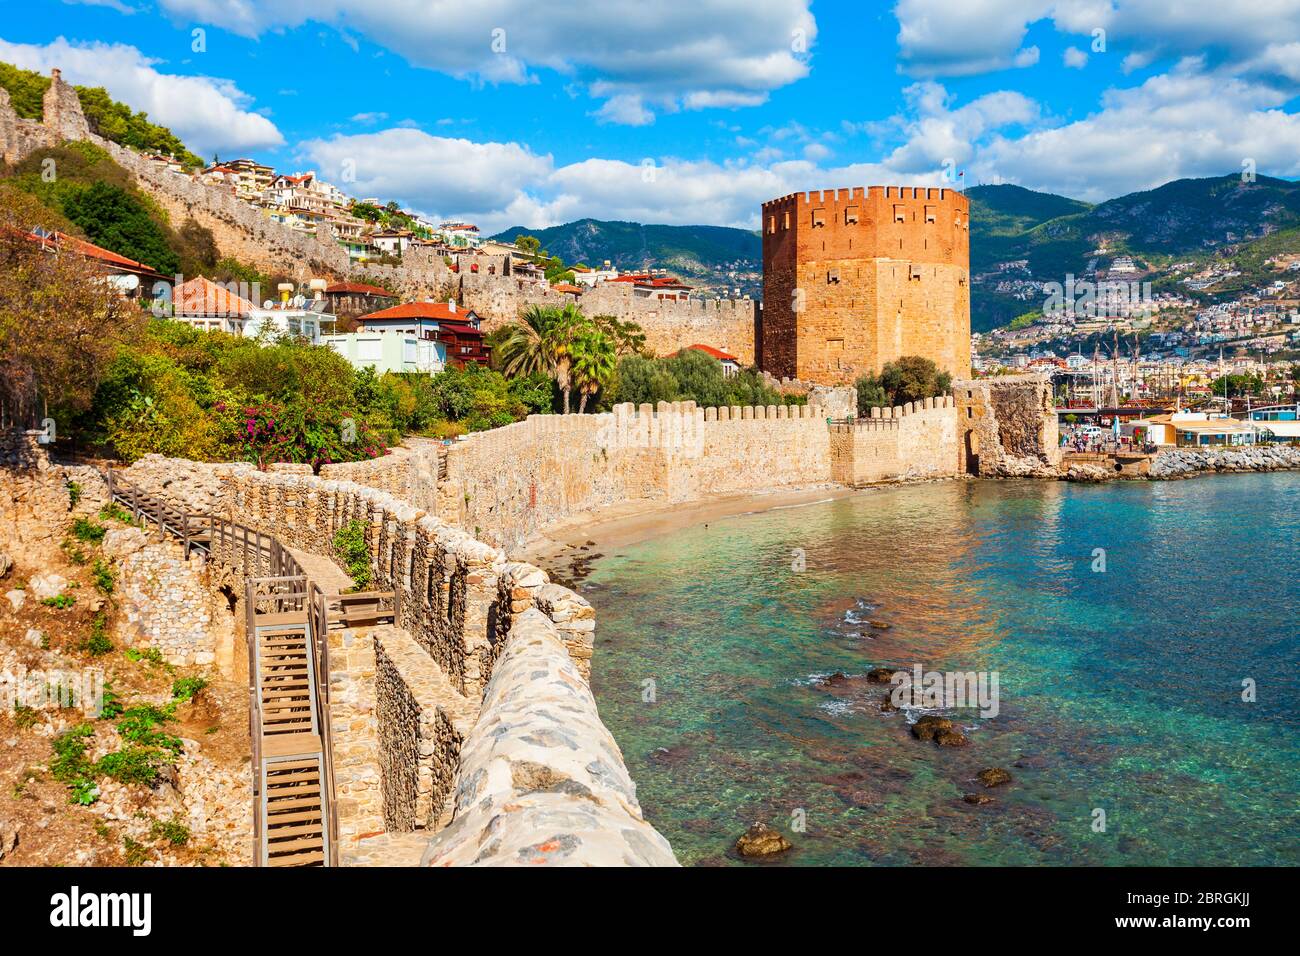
[
  {"x": 569, "y": 325},
  {"x": 523, "y": 347},
  {"x": 541, "y": 340},
  {"x": 594, "y": 359}
]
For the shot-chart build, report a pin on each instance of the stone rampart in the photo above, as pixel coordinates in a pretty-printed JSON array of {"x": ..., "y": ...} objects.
[
  {"x": 1007, "y": 427},
  {"x": 510, "y": 484},
  {"x": 541, "y": 780},
  {"x": 904, "y": 443}
]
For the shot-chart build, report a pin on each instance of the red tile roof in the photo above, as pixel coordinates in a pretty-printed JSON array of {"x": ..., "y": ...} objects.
[
  {"x": 718, "y": 354},
  {"x": 418, "y": 310},
  {"x": 566, "y": 287},
  {"x": 61, "y": 240},
  {"x": 202, "y": 296}
]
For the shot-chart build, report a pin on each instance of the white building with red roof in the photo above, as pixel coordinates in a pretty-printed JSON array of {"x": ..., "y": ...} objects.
[{"x": 730, "y": 364}]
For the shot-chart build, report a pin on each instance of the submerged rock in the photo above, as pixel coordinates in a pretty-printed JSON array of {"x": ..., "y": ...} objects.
[
  {"x": 951, "y": 738},
  {"x": 760, "y": 840},
  {"x": 880, "y": 675},
  {"x": 833, "y": 680},
  {"x": 977, "y": 799},
  {"x": 993, "y": 776},
  {"x": 880, "y": 625},
  {"x": 929, "y": 726}
]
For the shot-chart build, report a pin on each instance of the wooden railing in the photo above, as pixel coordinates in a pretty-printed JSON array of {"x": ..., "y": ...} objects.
[{"x": 274, "y": 583}]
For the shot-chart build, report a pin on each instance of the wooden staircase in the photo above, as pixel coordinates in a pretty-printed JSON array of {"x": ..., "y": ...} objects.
[{"x": 289, "y": 718}]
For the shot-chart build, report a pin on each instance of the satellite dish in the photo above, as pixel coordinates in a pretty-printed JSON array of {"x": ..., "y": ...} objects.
[{"x": 269, "y": 304}]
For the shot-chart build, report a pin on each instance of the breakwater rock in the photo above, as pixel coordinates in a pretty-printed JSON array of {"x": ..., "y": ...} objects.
[{"x": 1186, "y": 462}]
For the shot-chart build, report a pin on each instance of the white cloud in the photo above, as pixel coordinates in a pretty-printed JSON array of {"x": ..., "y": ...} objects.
[
  {"x": 435, "y": 173},
  {"x": 498, "y": 185},
  {"x": 938, "y": 135},
  {"x": 937, "y": 37},
  {"x": 207, "y": 113},
  {"x": 369, "y": 119},
  {"x": 977, "y": 36},
  {"x": 1074, "y": 58},
  {"x": 638, "y": 56},
  {"x": 1189, "y": 122}
]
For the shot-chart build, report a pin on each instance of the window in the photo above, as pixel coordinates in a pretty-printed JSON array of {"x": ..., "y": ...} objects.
[
  {"x": 851, "y": 215},
  {"x": 818, "y": 217},
  {"x": 833, "y": 275},
  {"x": 771, "y": 225},
  {"x": 900, "y": 214},
  {"x": 930, "y": 214}
]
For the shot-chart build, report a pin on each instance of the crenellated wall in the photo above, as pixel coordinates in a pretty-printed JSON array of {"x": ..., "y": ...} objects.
[
  {"x": 510, "y": 484},
  {"x": 907, "y": 442}
]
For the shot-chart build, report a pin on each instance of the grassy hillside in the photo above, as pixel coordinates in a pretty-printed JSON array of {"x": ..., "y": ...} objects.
[{"x": 110, "y": 119}]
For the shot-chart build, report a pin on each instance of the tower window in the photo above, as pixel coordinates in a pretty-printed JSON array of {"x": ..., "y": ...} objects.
[
  {"x": 851, "y": 215},
  {"x": 819, "y": 217},
  {"x": 900, "y": 215}
]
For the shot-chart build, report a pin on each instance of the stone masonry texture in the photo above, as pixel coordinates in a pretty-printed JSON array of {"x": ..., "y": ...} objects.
[{"x": 855, "y": 278}]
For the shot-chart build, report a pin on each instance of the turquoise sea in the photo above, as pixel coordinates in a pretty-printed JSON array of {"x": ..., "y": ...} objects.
[{"x": 1120, "y": 690}]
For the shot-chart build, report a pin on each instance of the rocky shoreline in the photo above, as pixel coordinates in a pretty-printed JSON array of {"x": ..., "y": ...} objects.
[{"x": 1190, "y": 463}]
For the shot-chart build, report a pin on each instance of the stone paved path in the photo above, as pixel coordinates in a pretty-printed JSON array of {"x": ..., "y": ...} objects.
[{"x": 326, "y": 575}]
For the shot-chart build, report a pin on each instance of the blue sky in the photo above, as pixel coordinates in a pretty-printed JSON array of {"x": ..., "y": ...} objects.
[{"x": 509, "y": 113}]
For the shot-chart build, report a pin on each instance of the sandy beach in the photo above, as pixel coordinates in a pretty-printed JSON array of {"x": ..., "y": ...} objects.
[{"x": 630, "y": 523}]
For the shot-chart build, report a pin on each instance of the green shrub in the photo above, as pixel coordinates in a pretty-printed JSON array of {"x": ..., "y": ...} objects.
[
  {"x": 25, "y": 717},
  {"x": 60, "y": 602},
  {"x": 177, "y": 834},
  {"x": 83, "y": 529},
  {"x": 350, "y": 546},
  {"x": 103, "y": 576},
  {"x": 74, "y": 492},
  {"x": 98, "y": 643},
  {"x": 150, "y": 655},
  {"x": 141, "y": 726},
  {"x": 115, "y": 512},
  {"x": 133, "y": 765},
  {"x": 185, "y": 688},
  {"x": 71, "y": 767},
  {"x": 136, "y": 852}
]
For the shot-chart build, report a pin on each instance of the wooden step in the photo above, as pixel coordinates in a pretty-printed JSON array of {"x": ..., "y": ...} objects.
[
  {"x": 274, "y": 817},
  {"x": 297, "y": 859},
  {"x": 292, "y": 777},
  {"x": 276, "y": 832},
  {"x": 303, "y": 843},
  {"x": 276, "y": 803}
]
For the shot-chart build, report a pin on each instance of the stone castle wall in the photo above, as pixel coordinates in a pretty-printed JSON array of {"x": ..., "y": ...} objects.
[
  {"x": 1007, "y": 427},
  {"x": 482, "y": 283},
  {"x": 908, "y": 442},
  {"x": 510, "y": 484},
  {"x": 855, "y": 278}
]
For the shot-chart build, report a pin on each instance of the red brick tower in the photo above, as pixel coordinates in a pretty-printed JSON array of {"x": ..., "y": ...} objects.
[{"x": 855, "y": 278}]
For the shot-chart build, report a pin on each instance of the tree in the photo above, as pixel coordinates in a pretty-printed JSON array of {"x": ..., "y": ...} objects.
[
  {"x": 528, "y": 245},
  {"x": 541, "y": 340},
  {"x": 594, "y": 360},
  {"x": 117, "y": 220},
  {"x": 642, "y": 379},
  {"x": 60, "y": 323},
  {"x": 627, "y": 336},
  {"x": 909, "y": 379}
]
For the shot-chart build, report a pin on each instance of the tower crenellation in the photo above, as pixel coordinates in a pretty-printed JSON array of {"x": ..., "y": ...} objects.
[{"x": 856, "y": 277}]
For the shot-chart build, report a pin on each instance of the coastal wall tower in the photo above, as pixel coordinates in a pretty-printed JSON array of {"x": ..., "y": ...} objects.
[{"x": 855, "y": 278}]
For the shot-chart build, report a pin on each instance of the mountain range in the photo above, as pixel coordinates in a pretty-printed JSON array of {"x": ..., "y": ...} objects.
[{"x": 1185, "y": 221}]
